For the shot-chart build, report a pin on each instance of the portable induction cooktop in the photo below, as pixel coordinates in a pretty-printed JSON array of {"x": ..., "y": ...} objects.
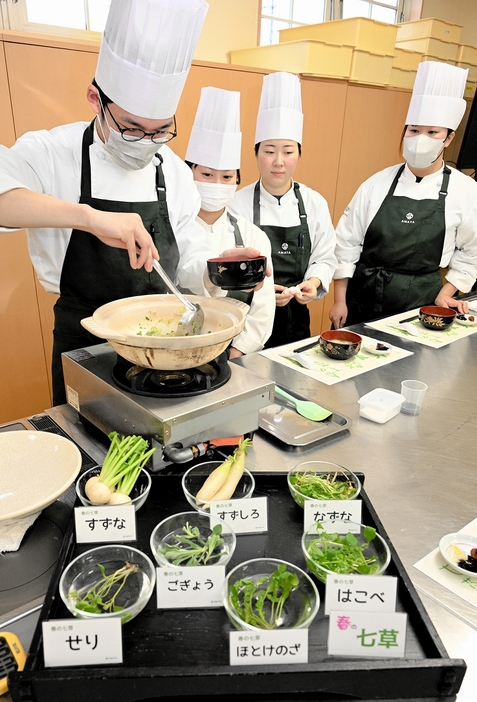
[{"x": 169, "y": 408}]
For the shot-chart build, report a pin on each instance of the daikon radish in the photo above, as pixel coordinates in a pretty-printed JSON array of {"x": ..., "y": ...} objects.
[
  {"x": 227, "y": 489},
  {"x": 215, "y": 480}
]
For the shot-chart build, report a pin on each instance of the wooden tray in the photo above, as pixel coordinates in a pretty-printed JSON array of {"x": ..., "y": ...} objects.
[{"x": 171, "y": 653}]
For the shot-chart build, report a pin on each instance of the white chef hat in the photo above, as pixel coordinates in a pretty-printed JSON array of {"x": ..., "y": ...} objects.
[
  {"x": 215, "y": 140},
  {"x": 146, "y": 53},
  {"x": 437, "y": 95},
  {"x": 279, "y": 114}
]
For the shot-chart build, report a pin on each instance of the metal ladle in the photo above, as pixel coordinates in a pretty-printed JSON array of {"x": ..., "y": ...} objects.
[{"x": 192, "y": 321}]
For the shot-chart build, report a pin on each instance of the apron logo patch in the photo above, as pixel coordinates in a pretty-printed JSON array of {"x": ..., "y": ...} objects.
[
  {"x": 409, "y": 219},
  {"x": 284, "y": 249}
]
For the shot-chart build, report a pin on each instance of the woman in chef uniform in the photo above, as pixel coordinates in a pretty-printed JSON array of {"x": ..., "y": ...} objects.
[
  {"x": 115, "y": 178},
  {"x": 408, "y": 221},
  {"x": 295, "y": 218},
  {"x": 213, "y": 153}
]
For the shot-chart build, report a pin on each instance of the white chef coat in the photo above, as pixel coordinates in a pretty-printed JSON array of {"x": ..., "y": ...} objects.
[
  {"x": 259, "y": 321},
  {"x": 460, "y": 242},
  {"x": 49, "y": 162},
  {"x": 284, "y": 213}
]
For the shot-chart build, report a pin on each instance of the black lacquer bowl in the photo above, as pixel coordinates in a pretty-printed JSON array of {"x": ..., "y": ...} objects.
[
  {"x": 236, "y": 272},
  {"x": 340, "y": 344},
  {"x": 437, "y": 318}
]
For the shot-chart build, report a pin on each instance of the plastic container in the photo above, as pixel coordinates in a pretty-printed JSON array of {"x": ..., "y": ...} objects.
[
  {"x": 441, "y": 50},
  {"x": 467, "y": 54},
  {"x": 429, "y": 27},
  {"x": 406, "y": 60},
  {"x": 371, "y": 68},
  {"x": 380, "y": 405},
  {"x": 360, "y": 32},
  {"x": 472, "y": 68},
  {"x": 402, "y": 78},
  {"x": 312, "y": 57},
  {"x": 470, "y": 90}
]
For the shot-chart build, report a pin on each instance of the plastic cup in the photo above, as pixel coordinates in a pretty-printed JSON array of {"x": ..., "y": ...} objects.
[{"x": 413, "y": 391}]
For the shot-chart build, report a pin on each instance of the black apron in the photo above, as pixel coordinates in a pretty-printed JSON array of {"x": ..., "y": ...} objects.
[
  {"x": 291, "y": 248},
  {"x": 399, "y": 267},
  {"x": 94, "y": 273}
]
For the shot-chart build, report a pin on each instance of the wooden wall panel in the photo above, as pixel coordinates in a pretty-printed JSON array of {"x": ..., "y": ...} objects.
[
  {"x": 373, "y": 123},
  {"x": 48, "y": 85},
  {"x": 23, "y": 387},
  {"x": 324, "y": 103}
]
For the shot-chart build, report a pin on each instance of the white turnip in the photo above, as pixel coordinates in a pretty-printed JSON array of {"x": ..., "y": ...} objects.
[{"x": 98, "y": 493}]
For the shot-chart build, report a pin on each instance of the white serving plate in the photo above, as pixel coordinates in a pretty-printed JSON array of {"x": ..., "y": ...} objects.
[
  {"x": 36, "y": 467},
  {"x": 465, "y": 542},
  {"x": 467, "y": 322},
  {"x": 371, "y": 348}
]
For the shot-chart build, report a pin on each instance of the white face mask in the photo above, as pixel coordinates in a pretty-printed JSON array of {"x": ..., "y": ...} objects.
[
  {"x": 214, "y": 196},
  {"x": 421, "y": 151},
  {"x": 133, "y": 155}
]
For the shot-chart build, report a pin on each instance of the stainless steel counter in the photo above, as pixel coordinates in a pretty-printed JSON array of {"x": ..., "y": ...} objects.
[{"x": 420, "y": 472}]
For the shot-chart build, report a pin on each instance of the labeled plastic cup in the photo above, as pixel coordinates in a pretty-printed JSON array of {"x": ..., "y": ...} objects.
[{"x": 413, "y": 391}]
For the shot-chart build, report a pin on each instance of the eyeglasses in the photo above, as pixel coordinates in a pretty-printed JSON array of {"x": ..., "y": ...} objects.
[{"x": 129, "y": 134}]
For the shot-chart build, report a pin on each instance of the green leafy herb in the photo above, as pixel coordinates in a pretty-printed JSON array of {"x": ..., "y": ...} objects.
[
  {"x": 101, "y": 597},
  {"x": 328, "y": 486},
  {"x": 191, "y": 549},
  {"x": 126, "y": 457},
  {"x": 342, "y": 553},
  {"x": 260, "y": 602}
]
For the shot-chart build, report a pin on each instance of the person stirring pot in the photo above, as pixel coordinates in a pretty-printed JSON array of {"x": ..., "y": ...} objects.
[
  {"x": 100, "y": 201},
  {"x": 213, "y": 153},
  {"x": 407, "y": 222},
  {"x": 295, "y": 218}
]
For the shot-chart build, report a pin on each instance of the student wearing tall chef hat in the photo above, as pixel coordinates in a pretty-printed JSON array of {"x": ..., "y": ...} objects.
[
  {"x": 409, "y": 221},
  {"x": 295, "y": 218},
  {"x": 213, "y": 153},
  {"x": 101, "y": 200}
]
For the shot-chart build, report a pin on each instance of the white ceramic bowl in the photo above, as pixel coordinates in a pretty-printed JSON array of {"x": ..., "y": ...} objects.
[
  {"x": 166, "y": 536},
  {"x": 83, "y": 573},
  {"x": 138, "y": 494},
  {"x": 36, "y": 467},
  {"x": 453, "y": 547},
  {"x": 194, "y": 478},
  {"x": 299, "y": 609}
]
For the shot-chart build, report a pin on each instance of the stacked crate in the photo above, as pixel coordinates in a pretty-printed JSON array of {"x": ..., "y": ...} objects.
[
  {"x": 405, "y": 63},
  {"x": 372, "y": 43},
  {"x": 356, "y": 49},
  {"x": 467, "y": 58},
  {"x": 365, "y": 51},
  {"x": 308, "y": 57},
  {"x": 435, "y": 39},
  {"x": 423, "y": 40}
]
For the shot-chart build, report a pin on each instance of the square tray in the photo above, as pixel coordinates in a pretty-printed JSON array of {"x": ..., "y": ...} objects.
[
  {"x": 171, "y": 653},
  {"x": 294, "y": 432}
]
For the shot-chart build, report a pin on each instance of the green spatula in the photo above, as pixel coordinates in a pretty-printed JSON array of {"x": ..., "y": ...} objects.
[{"x": 307, "y": 409}]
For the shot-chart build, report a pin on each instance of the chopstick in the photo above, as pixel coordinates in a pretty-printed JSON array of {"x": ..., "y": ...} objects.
[{"x": 306, "y": 347}]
